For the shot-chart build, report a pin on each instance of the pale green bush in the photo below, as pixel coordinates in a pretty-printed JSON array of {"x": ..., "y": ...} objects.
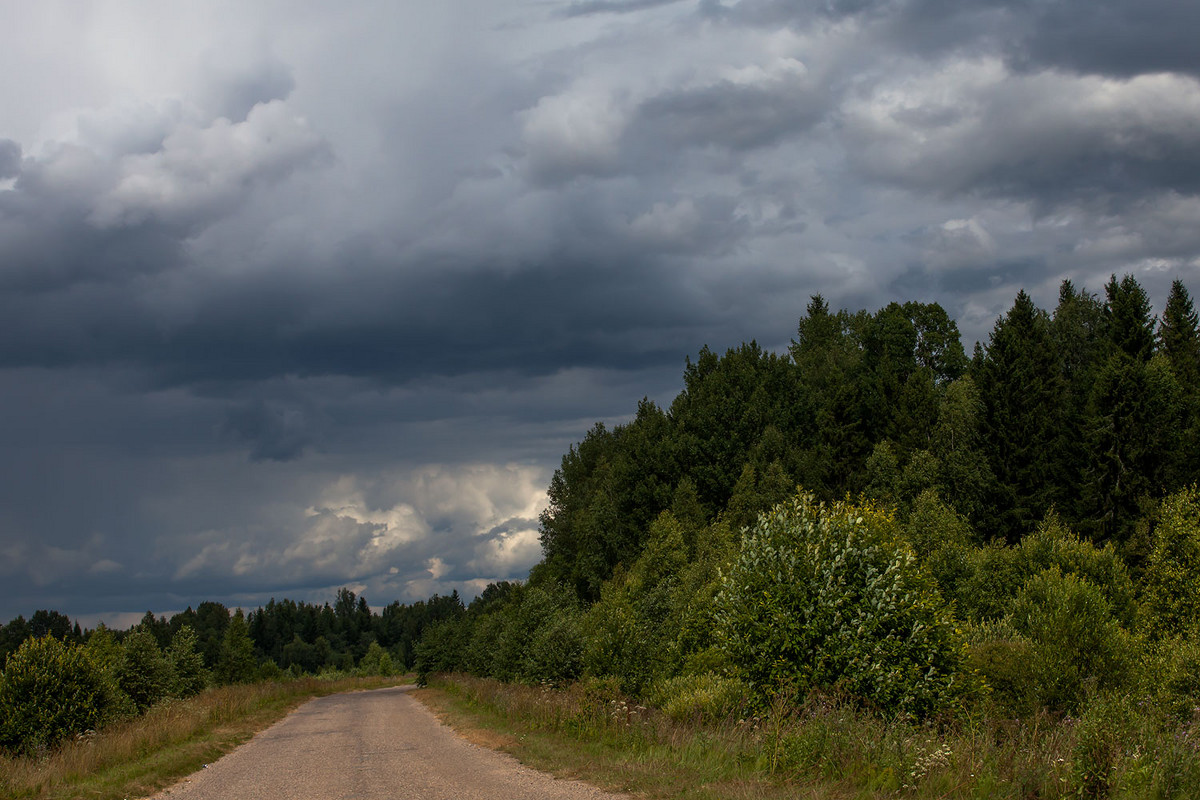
[
  {"x": 1171, "y": 586},
  {"x": 703, "y": 698},
  {"x": 831, "y": 596}
]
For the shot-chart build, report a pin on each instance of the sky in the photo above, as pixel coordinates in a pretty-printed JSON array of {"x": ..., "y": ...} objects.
[{"x": 300, "y": 295}]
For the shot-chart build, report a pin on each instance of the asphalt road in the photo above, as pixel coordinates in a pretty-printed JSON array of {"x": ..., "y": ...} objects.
[{"x": 369, "y": 746}]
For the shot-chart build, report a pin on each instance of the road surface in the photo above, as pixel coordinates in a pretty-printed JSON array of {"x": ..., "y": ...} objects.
[{"x": 378, "y": 745}]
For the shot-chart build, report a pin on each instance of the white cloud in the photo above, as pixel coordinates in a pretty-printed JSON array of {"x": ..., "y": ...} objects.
[
  {"x": 574, "y": 133},
  {"x": 202, "y": 171},
  {"x": 974, "y": 125}
]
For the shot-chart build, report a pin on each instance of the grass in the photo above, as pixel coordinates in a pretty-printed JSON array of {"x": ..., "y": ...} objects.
[
  {"x": 137, "y": 757},
  {"x": 826, "y": 748}
]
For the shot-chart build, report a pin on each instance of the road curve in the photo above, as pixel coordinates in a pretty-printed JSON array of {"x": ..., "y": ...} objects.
[{"x": 377, "y": 745}]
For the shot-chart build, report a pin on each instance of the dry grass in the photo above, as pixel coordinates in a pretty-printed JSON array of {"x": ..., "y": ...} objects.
[{"x": 136, "y": 757}]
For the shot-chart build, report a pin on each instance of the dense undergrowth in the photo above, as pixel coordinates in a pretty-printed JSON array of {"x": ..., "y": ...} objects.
[{"x": 826, "y": 746}]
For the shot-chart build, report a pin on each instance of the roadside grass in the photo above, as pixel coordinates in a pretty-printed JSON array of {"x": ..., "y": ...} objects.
[
  {"x": 139, "y": 756},
  {"x": 824, "y": 749}
]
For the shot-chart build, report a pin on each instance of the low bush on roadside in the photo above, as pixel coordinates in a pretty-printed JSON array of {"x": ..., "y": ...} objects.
[
  {"x": 700, "y": 698},
  {"x": 50, "y": 691},
  {"x": 830, "y": 596}
]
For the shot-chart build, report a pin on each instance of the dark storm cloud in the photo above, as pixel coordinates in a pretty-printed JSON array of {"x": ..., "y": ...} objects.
[
  {"x": 274, "y": 433},
  {"x": 1116, "y": 37}
]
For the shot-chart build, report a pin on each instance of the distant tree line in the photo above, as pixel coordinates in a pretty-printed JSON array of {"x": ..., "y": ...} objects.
[{"x": 59, "y": 680}]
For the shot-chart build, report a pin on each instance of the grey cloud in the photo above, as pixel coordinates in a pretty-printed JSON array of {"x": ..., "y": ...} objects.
[
  {"x": 1119, "y": 38},
  {"x": 1050, "y": 138},
  {"x": 1115, "y": 37},
  {"x": 729, "y": 115},
  {"x": 10, "y": 159},
  {"x": 236, "y": 88},
  {"x": 589, "y": 7},
  {"x": 274, "y": 432}
]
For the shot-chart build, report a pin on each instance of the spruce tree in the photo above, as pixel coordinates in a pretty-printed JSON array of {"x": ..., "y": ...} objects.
[
  {"x": 1178, "y": 336},
  {"x": 1130, "y": 323},
  {"x": 1179, "y": 341},
  {"x": 1023, "y": 391}
]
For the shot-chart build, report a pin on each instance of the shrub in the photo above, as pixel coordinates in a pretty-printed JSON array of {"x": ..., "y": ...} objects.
[
  {"x": 999, "y": 573},
  {"x": 441, "y": 647},
  {"x": 49, "y": 691},
  {"x": 188, "y": 674},
  {"x": 1003, "y": 659},
  {"x": 1078, "y": 645},
  {"x": 831, "y": 596},
  {"x": 701, "y": 698},
  {"x": 1171, "y": 586},
  {"x": 555, "y": 651},
  {"x": 143, "y": 674}
]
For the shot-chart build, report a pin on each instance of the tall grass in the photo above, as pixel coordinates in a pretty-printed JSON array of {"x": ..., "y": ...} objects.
[
  {"x": 829, "y": 748},
  {"x": 139, "y": 755}
]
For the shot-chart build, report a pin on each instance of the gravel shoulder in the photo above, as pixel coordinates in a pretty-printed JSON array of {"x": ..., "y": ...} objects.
[{"x": 370, "y": 746}]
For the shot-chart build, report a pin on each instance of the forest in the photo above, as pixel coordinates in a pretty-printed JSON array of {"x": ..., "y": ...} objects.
[
  {"x": 875, "y": 515},
  {"x": 880, "y": 515}
]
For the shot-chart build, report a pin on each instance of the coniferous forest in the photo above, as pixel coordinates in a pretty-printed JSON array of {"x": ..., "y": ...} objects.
[{"x": 876, "y": 515}]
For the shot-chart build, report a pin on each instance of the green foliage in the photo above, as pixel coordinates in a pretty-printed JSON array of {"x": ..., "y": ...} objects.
[
  {"x": 236, "y": 663},
  {"x": 1171, "y": 586},
  {"x": 1005, "y": 663},
  {"x": 942, "y": 539},
  {"x": 656, "y": 619},
  {"x": 1078, "y": 646},
  {"x": 831, "y": 596},
  {"x": 1134, "y": 417},
  {"x": 1101, "y": 743},
  {"x": 441, "y": 647},
  {"x": 700, "y": 698},
  {"x": 999, "y": 573},
  {"x": 50, "y": 690},
  {"x": 1023, "y": 392},
  {"x": 555, "y": 651},
  {"x": 144, "y": 674},
  {"x": 376, "y": 661}
]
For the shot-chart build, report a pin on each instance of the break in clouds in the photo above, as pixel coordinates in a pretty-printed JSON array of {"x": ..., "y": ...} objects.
[{"x": 293, "y": 299}]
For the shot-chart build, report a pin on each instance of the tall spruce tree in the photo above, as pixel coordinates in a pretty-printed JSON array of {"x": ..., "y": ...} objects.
[
  {"x": 1080, "y": 332},
  {"x": 237, "y": 663},
  {"x": 1178, "y": 336},
  {"x": 1127, "y": 312},
  {"x": 1179, "y": 341},
  {"x": 1132, "y": 418},
  {"x": 1022, "y": 388}
]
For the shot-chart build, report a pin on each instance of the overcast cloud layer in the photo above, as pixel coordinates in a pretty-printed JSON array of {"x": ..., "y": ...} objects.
[{"x": 295, "y": 297}]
